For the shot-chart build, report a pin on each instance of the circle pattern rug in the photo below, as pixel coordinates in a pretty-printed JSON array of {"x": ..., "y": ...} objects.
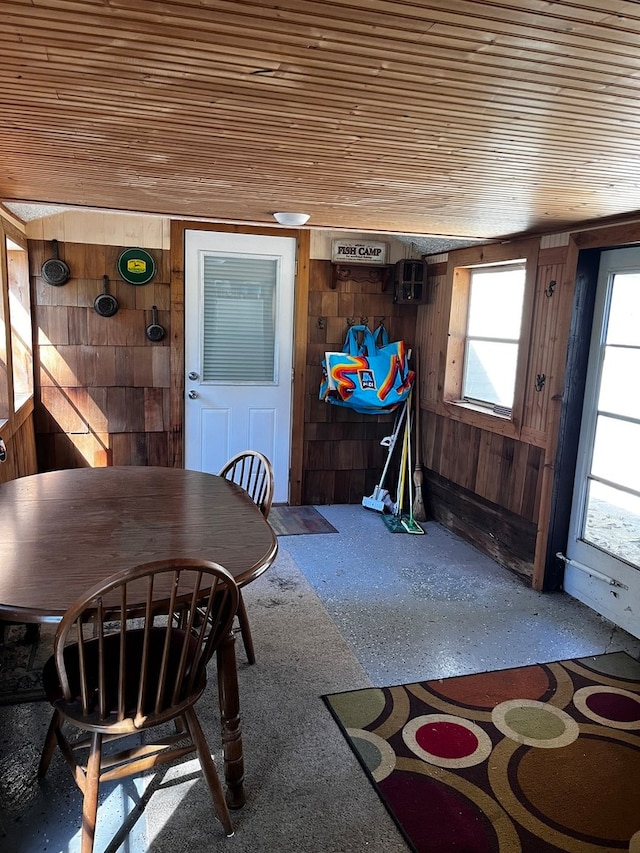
[{"x": 528, "y": 760}]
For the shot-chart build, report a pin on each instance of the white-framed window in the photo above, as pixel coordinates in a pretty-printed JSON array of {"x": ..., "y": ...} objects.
[
  {"x": 492, "y": 340},
  {"x": 491, "y": 290}
]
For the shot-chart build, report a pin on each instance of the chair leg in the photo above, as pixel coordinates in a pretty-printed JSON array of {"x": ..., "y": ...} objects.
[
  {"x": 245, "y": 630},
  {"x": 90, "y": 802},
  {"x": 209, "y": 771},
  {"x": 49, "y": 747}
]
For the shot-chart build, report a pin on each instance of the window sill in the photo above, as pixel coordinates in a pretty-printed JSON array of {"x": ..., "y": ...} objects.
[
  {"x": 477, "y": 407},
  {"x": 480, "y": 417}
]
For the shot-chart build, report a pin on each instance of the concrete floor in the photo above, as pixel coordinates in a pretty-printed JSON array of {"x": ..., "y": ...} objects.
[{"x": 335, "y": 612}]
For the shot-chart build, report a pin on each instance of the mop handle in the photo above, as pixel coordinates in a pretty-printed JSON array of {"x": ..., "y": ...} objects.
[
  {"x": 392, "y": 443},
  {"x": 403, "y": 465},
  {"x": 409, "y": 468}
]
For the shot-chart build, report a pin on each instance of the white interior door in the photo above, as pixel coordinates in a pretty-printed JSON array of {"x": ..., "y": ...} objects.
[
  {"x": 239, "y": 293},
  {"x": 604, "y": 540}
]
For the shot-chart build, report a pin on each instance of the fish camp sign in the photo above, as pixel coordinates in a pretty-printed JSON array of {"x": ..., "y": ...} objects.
[{"x": 359, "y": 252}]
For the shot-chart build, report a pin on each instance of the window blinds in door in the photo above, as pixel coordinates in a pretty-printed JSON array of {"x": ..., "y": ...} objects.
[{"x": 239, "y": 319}]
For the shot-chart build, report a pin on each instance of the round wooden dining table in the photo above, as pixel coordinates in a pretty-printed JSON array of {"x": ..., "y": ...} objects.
[{"x": 64, "y": 531}]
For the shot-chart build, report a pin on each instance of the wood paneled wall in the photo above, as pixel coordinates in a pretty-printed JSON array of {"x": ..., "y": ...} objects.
[
  {"x": 343, "y": 458},
  {"x": 481, "y": 483},
  {"x": 20, "y": 441},
  {"x": 17, "y": 430},
  {"x": 102, "y": 388}
]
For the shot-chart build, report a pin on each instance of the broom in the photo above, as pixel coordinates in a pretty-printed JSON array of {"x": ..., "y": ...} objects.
[
  {"x": 410, "y": 524},
  {"x": 419, "y": 512}
]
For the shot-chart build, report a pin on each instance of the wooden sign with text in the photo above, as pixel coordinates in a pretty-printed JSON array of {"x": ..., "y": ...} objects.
[{"x": 359, "y": 252}]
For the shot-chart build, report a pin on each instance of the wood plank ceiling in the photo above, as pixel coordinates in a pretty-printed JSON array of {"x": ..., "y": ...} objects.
[{"x": 444, "y": 117}]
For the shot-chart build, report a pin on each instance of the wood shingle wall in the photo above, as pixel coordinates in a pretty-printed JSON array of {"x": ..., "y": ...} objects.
[
  {"x": 102, "y": 388},
  {"x": 343, "y": 458}
]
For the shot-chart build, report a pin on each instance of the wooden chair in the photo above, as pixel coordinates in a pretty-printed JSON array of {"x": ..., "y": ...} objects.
[
  {"x": 253, "y": 472},
  {"x": 121, "y": 666}
]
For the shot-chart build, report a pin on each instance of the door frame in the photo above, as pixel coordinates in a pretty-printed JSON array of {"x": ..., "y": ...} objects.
[
  {"x": 588, "y": 247},
  {"x": 300, "y": 315}
]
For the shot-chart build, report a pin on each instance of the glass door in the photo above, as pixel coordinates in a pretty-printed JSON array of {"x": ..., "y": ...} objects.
[{"x": 603, "y": 551}]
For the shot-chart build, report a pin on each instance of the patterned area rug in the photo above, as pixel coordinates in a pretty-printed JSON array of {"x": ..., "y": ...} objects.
[
  {"x": 540, "y": 758},
  {"x": 23, "y": 653},
  {"x": 294, "y": 520}
]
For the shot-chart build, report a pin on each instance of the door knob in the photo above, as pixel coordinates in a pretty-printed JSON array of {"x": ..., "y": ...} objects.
[
  {"x": 193, "y": 376},
  {"x": 193, "y": 395}
]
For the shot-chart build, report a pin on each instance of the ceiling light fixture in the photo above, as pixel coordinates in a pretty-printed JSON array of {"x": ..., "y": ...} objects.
[{"x": 291, "y": 218}]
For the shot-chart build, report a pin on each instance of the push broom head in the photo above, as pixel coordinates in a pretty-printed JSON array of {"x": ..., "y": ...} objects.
[{"x": 378, "y": 501}]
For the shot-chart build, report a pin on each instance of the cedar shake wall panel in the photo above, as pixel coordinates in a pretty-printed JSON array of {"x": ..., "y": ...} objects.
[
  {"x": 47, "y": 294},
  {"x": 161, "y": 364},
  {"x": 141, "y": 366},
  {"x": 98, "y": 329},
  {"x": 86, "y": 261},
  {"x": 52, "y": 325},
  {"x": 123, "y": 329},
  {"x": 67, "y": 416},
  {"x": 104, "y": 359},
  {"x": 58, "y": 365},
  {"x": 157, "y": 452},
  {"x": 77, "y": 325},
  {"x": 317, "y": 485},
  {"x": 342, "y": 455},
  {"x": 124, "y": 366},
  {"x": 99, "y": 379},
  {"x": 153, "y": 410},
  {"x": 316, "y": 332}
]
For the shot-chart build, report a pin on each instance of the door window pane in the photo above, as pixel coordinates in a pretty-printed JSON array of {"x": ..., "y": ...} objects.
[
  {"x": 615, "y": 452},
  {"x": 239, "y": 330},
  {"x": 624, "y": 313},
  {"x": 612, "y": 522},
  {"x": 617, "y": 394}
]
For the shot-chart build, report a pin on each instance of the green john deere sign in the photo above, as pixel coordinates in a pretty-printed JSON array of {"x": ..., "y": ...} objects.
[{"x": 136, "y": 266}]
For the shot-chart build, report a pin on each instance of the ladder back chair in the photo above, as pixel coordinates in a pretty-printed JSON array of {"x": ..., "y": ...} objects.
[
  {"x": 253, "y": 472},
  {"x": 123, "y": 664}
]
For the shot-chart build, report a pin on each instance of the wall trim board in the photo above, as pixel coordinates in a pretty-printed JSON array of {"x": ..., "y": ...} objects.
[
  {"x": 13, "y": 222},
  {"x": 571, "y": 415},
  {"x": 504, "y": 536},
  {"x": 614, "y": 236}
]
